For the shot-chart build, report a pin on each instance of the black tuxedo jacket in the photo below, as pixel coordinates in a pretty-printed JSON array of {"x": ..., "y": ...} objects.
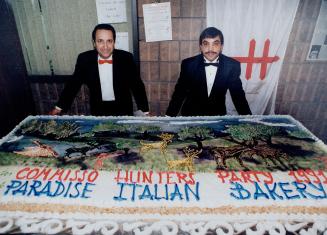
[
  {"x": 191, "y": 96},
  {"x": 126, "y": 82}
]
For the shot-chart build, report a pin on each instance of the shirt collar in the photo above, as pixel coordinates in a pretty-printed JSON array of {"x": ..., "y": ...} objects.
[{"x": 100, "y": 58}]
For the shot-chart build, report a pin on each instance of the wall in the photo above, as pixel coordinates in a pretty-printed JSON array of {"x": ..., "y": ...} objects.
[
  {"x": 15, "y": 94},
  {"x": 160, "y": 61},
  {"x": 303, "y": 84}
]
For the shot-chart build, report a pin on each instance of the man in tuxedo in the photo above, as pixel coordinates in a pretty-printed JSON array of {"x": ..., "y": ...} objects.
[
  {"x": 111, "y": 76},
  {"x": 204, "y": 80}
]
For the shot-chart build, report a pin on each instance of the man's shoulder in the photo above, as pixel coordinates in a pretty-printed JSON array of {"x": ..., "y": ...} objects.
[
  {"x": 191, "y": 60},
  {"x": 227, "y": 59},
  {"x": 87, "y": 55},
  {"x": 122, "y": 53}
]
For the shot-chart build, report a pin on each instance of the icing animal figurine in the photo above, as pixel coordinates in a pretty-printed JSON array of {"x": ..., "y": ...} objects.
[
  {"x": 40, "y": 150},
  {"x": 221, "y": 155},
  {"x": 101, "y": 157},
  {"x": 186, "y": 163},
  {"x": 162, "y": 145},
  {"x": 240, "y": 154},
  {"x": 275, "y": 156}
]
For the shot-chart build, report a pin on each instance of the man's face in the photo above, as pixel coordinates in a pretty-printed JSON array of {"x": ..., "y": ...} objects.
[
  {"x": 104, "y": 43},
  {"x": 211, "y": 48}
]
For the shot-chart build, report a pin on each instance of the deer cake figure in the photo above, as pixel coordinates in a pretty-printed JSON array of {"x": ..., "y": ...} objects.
[
  {"x": 162, "y": 145},
  {"x": 186, "y": 163}
]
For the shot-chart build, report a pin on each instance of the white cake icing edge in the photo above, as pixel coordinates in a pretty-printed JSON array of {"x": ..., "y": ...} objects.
[{"x": 117, "y": 224}]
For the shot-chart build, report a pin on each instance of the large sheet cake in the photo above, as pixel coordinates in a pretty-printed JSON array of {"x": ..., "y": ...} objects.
[{"x": 198, "y": 175}]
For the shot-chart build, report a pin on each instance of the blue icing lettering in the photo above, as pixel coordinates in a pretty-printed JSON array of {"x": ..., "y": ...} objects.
[
  {"x": 71, "y": 195},
  {"x": 60, "y": 189},
  {"x": 156, "y": 192},
  {"x": 36, "y": 184},
  {"x": 14, "y": 184},
  {"x": 166, "y": 190},
  {"x": 122, "y": 186},
  {"x": 22, "y": 189},
  {"x": 240, "y": 192},
  {"x": 320, "y": 188},
  {"x": 68, "y": 188},
  {"x": 134, "y": 190},
  {"x": 272, "y": 191},
  {"x": 302, "y": 189},
  {"x": 188, "y": 189},
  {"x": 87, "y": 190},
  {"x": 287, "y": 192},
  {"x": 259, "y": 192},
  {"x": 46, "y": 189},
  {"x": 146, "y": 193},
  {"x": 176, "y": 193},
  {"x": 278, "y": 191},
  {"x": 120, "y": 198}
]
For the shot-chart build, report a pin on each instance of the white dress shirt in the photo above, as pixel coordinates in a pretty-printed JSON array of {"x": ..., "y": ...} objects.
[
  {"x": 211, "y": 71},
  {"x": 106, "y": 81}
]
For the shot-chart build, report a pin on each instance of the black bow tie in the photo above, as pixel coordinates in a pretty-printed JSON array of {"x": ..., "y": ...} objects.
[{"x": 208, "y": 64}]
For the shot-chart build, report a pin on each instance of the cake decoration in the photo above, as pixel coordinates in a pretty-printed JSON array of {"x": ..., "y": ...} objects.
[
  {"x": 40, "y": 150},
  {"x": 187, "y": 163},
  {"x": 142, "y": 175},
  {"x": 162, "y": 145}
]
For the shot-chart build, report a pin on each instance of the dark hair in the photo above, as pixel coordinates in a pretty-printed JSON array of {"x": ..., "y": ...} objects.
[
  {"x": 105, "y": 27},
  {"x": 211, "y": 32}
]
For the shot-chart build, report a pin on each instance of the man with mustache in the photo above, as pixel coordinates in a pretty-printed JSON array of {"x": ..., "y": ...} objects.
[
  {"x": 111, "y": 76},
  {"x": 204, "y": 80}
]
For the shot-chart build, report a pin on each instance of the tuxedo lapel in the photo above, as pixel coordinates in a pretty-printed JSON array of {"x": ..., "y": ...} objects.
[
  {"x": 219, "y": 78},
  {"x": 94, "y": 66},
  {"x": 200, "y": 75},
  {"x": 115, "y": 70}
]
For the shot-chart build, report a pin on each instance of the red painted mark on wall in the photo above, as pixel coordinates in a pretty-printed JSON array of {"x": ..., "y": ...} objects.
[{"x": 251, "y": 59}]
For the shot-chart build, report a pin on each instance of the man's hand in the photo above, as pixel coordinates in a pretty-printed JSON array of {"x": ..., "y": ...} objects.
[
  {"x": 140, "y": 113},
  {"x": 55, "y": 111}
]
